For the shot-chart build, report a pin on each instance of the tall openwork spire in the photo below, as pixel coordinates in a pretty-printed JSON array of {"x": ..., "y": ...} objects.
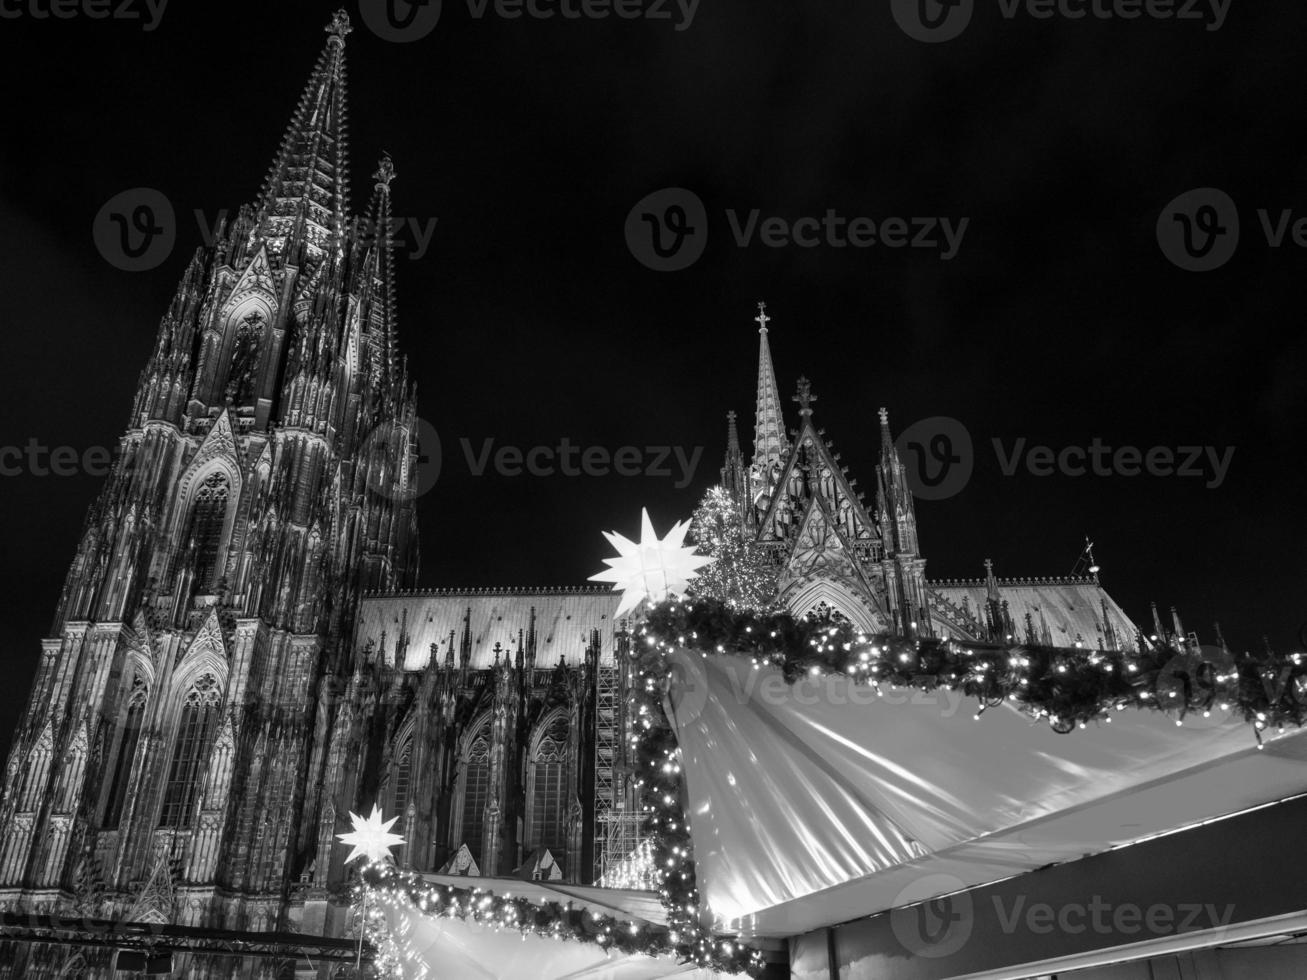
[
  {"x": 305, "y": 198},
  {"x": 379, "y": 266},
  {"x": 769, "y": 441}
]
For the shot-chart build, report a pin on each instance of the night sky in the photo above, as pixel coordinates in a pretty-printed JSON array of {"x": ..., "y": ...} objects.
[{"x": 528, "y": 319}]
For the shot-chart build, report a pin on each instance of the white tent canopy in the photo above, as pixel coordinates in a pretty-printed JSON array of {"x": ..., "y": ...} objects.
[{"x": 816, "y": 804}]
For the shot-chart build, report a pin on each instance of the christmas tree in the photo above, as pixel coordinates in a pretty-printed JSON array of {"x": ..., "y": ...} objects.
[{"x": 740, "y": 576}]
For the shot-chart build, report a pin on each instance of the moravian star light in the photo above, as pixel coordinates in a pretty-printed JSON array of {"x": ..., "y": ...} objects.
[
  {"x": 371, "y": 838},
  {"x": 652, "y": 568}
]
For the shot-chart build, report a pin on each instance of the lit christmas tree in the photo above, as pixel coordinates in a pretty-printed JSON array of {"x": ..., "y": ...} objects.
[{"x": 740, "y": 576}]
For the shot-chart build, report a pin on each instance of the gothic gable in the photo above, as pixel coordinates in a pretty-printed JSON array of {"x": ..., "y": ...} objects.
[
  {"x": 207, "y": 653},
  {"x": 462, "y": 863},
  {"x": 822, "y": 566},
  {"x": 811, "y": 469},
  {"x": 255, "y": 288}
]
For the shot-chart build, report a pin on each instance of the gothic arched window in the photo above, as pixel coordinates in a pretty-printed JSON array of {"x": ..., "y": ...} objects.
[
  {"x": 476, "y": 793},
  {"x": 208, "y": 517},
  {"x": 403, "y": 777},
  {"x": 195, "y": 733},
  {"x": 547, "y": 785},
  {"x": 128, "y": 739}
]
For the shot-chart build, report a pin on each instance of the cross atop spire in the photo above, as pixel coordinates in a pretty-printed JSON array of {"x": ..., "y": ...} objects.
[
  {"x": 805, "y": 397},
  {"x": 339, "y": 27},
  {"x": 762, "y": 319}
]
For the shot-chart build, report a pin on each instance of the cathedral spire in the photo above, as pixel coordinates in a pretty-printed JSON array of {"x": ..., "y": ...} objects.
[
  {"x": 734, "y": 479},
  {"x": 769, "y": 441},
  {"x": 380, "y": 265},
  {"x": 305, "y": 196}
]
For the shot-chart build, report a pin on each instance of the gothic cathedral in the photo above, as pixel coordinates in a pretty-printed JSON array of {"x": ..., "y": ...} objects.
[{"x": 239, "y": 657}]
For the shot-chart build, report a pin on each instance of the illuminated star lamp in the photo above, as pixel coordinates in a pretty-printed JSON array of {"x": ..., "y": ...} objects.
[
  {"x": 653, "y": 568},
  {"x": 371, "y": 837}
]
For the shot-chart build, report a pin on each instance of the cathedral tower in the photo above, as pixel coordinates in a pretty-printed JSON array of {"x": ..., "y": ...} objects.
[{"x": 170, "y": 759}]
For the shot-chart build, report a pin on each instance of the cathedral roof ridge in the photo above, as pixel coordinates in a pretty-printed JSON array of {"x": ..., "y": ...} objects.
[
  {"x": 1019, "y": 580},
  {"x": 506, "y": 590}
]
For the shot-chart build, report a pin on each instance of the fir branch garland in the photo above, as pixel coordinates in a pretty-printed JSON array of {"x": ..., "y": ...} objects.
[{"x": 401, "y": 890}]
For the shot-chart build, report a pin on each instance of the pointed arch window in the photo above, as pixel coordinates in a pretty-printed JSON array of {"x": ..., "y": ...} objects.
[
  {"x": 208, "y": 518},
  {"x": 195, "y": 733},
  {"x": 548, "y": 810},
  {"x": 128, "y": 739},
  {"x": 476, "y": 793}
]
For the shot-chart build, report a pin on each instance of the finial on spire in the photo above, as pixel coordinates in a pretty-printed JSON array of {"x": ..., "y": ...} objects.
[
  {"x": 762, "y": 319},
  {"x": 886, "y": 443},
  {"x": 385, "y": 172},
  {"x": 805, "y": 397},
  {"x": 339, "y": 28}
]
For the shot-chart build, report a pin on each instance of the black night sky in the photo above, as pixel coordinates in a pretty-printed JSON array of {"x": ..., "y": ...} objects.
[{"x": 528, "y": 319}]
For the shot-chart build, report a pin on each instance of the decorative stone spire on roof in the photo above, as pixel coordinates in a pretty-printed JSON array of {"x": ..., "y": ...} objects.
[{"x": 805, "y": 397}]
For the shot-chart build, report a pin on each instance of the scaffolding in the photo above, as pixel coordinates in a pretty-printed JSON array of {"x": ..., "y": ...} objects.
[{"x": 617, "y": 815}]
